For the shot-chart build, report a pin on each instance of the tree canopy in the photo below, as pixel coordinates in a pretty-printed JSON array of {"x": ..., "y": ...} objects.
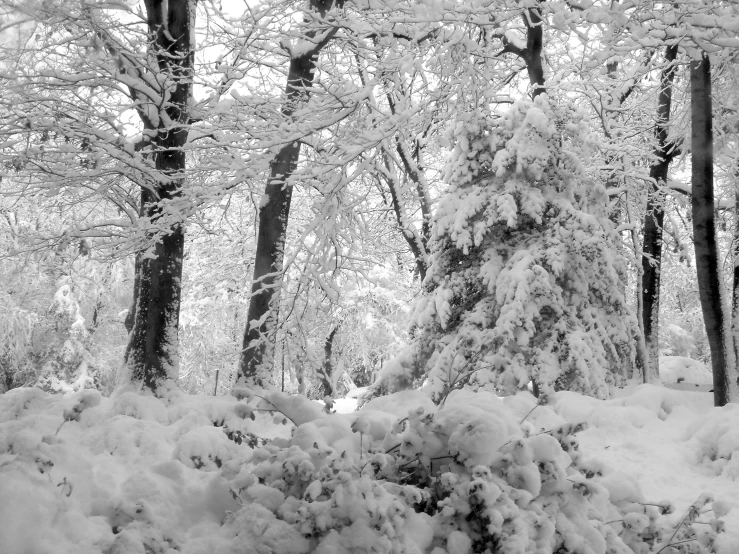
[{"x": 270, "y": 191}]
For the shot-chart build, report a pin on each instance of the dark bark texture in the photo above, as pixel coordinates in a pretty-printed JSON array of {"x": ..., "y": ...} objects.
[
  {"x": 151, "y": 355},
  {"x": 416, "y": 243},
  {"x": 326, "y": 385},
  {"x": 534, "y": 44},
  {"x": 257, "y": 352},
  {"x": 704, "y": 225},
  {"x": 655, "y": 216},
  {"x": 735, "y": 286},
  {"x": 531, "y": 55}
]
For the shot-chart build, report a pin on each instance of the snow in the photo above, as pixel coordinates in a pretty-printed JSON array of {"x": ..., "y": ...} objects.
[
  {"x": 80, "y": 473},
  {"x": 673, "y": 443},
  {"x": 678, "y": 369}
]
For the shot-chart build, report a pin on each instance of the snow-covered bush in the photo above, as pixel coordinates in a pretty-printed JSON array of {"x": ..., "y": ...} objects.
[
  {"x": 473, "y": 475},
  {"x": 525, "y": 279},
  {"x": 16, "y": 333}
]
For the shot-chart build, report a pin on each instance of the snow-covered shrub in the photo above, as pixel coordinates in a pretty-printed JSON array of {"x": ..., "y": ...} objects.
[
  {"x": 525, "y": 279},
  {"x": 471, "y": 476},
  {"x": 67, "y": 364},
  {"x": 16, "y": 333},
  {"x": 715, "y": 442}
]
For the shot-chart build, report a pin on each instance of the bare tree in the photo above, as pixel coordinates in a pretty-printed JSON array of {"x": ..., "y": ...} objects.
[
  {"x": 258, "y": 347},
  {"x": 704, "y": 226},
  {"x": 654, "y": 217}
]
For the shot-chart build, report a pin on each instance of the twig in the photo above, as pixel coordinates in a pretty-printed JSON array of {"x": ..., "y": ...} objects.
[
  {"x": 529, "y": 413},
  {"x": 674, "y": 543},
  {"x": 276, "y": 409}
]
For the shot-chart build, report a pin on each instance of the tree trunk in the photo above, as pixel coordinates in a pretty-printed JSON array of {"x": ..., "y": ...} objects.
[
  {"x": 151, "y": 354},
  {"x": 131, "y": 315},
  {"x": 531, "y": 55},
  {"x": 416, "y": 243},
  {"x": 257, "y": 352},
  {"x": 735, "y": 286},
  {"x": 326, "y": 387},
  {"x": 654, "y": 218},
  {"x": 615, "y": 101},
  {"x": 534, "y": 44},
  {"x": 704, "y": 228}
]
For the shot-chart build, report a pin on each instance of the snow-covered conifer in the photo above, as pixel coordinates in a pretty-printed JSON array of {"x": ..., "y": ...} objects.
[{"x": 525, "y": 280}]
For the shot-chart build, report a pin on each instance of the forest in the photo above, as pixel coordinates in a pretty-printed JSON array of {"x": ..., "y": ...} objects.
[{"x": 421, "y": 276}]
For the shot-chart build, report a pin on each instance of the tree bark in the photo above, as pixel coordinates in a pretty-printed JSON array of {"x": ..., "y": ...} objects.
[
  {"x": 151, "y": 354},
  {"x": 416, "y": 243},
  {"x": 654, "y": 218},
  {"x": 531, "y": 55},
  {"x": 131, "y": 315},
  {"x": 257, "y": 352},
  {"x": 735, "y": 285},
  {"x": 326, "y": 387},
  {"x": 534, "y": 44},
  {"x": 615, "y": 101},
  {"x": 704, "y": 228}
]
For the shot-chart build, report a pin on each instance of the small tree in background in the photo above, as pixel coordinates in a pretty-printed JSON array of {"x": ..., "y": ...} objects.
[
  {"x": 67, "y": 364},
  {"x": 524, "y": 281}
]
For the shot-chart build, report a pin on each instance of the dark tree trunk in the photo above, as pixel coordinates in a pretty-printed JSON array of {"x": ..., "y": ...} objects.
[
  {"x": 618, "y": 210},
  {"x": 130, "y": 316},
  {"x": 531, "y": 55},
  {"x": 655, "y": 216},
  {"x": 151, "y": 355},
  {"x": 416, "y": 243},
  {"x": 326, "y": 387},
  {"x": 704, "y": 228},
  {"x": 257, "y": 352},
  {"x": 534, "y": 44},
  {"x": 735, "y": 285},
  {"x": 415, "y": 172}
]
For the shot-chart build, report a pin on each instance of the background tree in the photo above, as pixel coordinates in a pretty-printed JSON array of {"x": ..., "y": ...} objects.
[
  {"x": 654, "y": 217},
  {"x": 704, "y": 229},
  {"x": 258, "y": 347}
]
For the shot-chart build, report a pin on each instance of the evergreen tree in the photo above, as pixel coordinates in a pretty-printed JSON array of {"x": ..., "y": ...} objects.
[{"x": 525, "y": 276}]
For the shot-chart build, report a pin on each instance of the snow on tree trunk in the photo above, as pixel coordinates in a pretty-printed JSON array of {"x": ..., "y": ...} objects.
[
  {"x": 524, "y": 282},
  {"x": 654, "y": 219},
  {"x": 151, "y": 354},
  {"x": 704, "y": 226},
  {"x": 255, "y": 364}
]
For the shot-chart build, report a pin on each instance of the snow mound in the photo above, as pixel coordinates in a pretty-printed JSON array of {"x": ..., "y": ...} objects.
[
  {"x": 714, "y": 441},
  {"x": 678, "y": 369}
]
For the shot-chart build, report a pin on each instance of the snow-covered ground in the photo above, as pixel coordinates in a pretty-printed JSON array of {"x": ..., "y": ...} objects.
[
  {"x": 130, "y": 474},
  {"x": 674, "y": 444}
]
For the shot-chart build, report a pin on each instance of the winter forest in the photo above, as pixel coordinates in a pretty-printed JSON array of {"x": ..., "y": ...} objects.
[{"x": 369, "y": 276}]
